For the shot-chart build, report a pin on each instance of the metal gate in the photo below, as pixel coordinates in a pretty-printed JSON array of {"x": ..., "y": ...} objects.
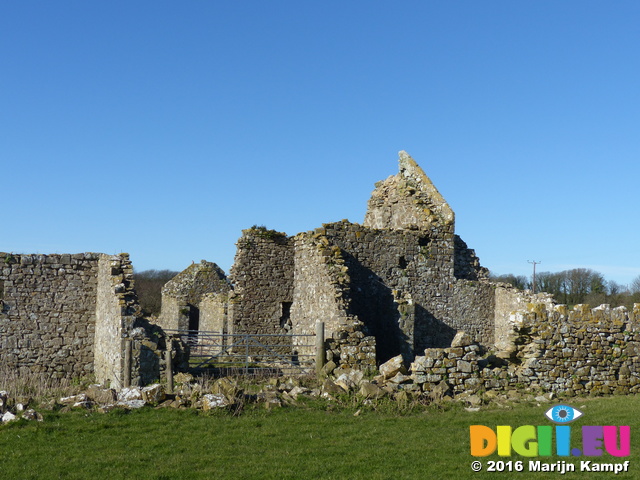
[{"x": 248, "y": 354}]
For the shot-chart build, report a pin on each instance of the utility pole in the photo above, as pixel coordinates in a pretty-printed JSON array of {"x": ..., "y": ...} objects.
[{"x": 534, "y": 273}]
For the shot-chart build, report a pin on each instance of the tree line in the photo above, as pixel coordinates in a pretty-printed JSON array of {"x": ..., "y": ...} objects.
[
  {"x": 578, "y": 285},
  {"x": 148, "y": 284}
]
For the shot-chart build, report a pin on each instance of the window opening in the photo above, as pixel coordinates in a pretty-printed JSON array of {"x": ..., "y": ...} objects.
[{"x": 285, "y": 318}]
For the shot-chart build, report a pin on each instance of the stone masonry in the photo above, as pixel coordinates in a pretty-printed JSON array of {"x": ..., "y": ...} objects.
[
  {"x": 397, "y": 284},
  {"x": 69, "y": 315},
  {"x": 48, "y": 314},
  {"x": 183, "y": 297},
  {"x": 400, "y": 289}
]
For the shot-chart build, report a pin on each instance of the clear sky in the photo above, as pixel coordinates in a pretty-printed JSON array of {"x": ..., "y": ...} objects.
[{"x": 163, "y": 128}]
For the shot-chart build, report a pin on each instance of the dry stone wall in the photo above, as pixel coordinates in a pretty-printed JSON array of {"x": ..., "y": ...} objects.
[
  {"x": 48, "y": 312},
  {"x": 581, "y": 352},
  {"x": 508, "y": 301}
]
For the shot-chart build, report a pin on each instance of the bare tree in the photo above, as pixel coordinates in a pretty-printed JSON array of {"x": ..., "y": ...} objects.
[
  {"x": 148, "y": 284},
  {"x": 518, "y": 281}
]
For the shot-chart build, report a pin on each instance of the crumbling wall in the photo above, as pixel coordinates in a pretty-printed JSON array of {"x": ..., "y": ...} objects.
[
  {"x": 48, "y": 316},
  {"x": 117, "y": 314},
  {"x": 576, "y": 352},
  {"x": 508, "y": 301},
  {"x": 109, "y": 342},
  {"x": 262, "y": 279},
  {"x": 473, "y": 310},
  {"x": 407, "y": 257},
  {"x": 182, "y": 296},
  {"x": 321, "y": 292},
  {"x": 392, "y": 270},
  {"x": 408, "y": 200},
  {"x": 466, "y": 265},
  {"x": 67, "y": 315}
]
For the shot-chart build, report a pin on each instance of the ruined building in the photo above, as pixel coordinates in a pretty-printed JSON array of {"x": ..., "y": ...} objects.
[
  {"x": 402, "y": 285},
  {"x": 401, "y": 282}
]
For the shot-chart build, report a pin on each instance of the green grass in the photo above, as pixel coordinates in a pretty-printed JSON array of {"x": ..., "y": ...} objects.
[{"x": 287, "y": 443}]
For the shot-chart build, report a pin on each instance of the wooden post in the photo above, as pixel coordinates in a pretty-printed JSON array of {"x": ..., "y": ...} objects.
[
  {"x": 169, "y": 369},
  {"x": 126, "y": 382},
  {"x": 319, "y": 346}
]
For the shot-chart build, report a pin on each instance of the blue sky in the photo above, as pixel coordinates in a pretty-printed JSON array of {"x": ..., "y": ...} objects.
[{"x": 163, "y": 129}]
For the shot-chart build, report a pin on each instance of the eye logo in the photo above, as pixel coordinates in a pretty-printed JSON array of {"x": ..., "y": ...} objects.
[{"x": 563, "y": 414}]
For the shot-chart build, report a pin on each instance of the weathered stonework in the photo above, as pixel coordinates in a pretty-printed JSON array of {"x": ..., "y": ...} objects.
[
  {"x": 115, "y": 312},
  {"x": 403, "y": 278},
  {"x": 402, "y": 288},
  {"x": 68, "y": 315},
  {"x": 183, "y": 295},
  {"x": 262, "y": 278},
  {"x": 579, "y": 352},
  {"x": 408, "y": 200},
  {"x": 322, "y": 293},
  {"x": 48, "y": 314}
]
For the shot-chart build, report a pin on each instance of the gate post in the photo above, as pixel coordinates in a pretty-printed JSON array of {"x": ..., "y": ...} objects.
[
  {"x": 127, "y": 363},
  {"x": 169, "y": 369},
  {"x": 319, "y": 346}
]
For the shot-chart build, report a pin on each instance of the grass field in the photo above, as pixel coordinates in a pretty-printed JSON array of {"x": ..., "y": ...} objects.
[{"x": 288, "y": 443}]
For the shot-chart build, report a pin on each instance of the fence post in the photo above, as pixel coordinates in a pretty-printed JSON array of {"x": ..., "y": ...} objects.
[
  {"x": 169, "y": 369},
  {"x": 127, "y": 363},
  {"x": 319, "y": 346},
  {"x": 246, "y": 355}
]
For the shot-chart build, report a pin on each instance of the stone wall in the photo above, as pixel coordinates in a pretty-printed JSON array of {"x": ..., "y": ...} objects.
[
  {"x": 466, "y": 265},
  {"x": 473, "y": 310},
  {"x": 66, "y": 315},
  {"x": 322, "y": 289},
  {"x": 575, "y": 352},
  {"x": 262, "y": 279},
  {"x": 111, "y": 315},
  {"x": 322, "y": 293},
  {"x": 183, "y": 294},
  {"x": 47, "y": 322},
  {"x": 399, "y": 283},
  {"x": 389, "y": 268},
  {"x": 508, "y": 301},
  {"x": 408, "y": 246},
  {"x": 118, "y": 318},
  {"x": 213, "y": 313},
  {"x": 408, "y": 200}
]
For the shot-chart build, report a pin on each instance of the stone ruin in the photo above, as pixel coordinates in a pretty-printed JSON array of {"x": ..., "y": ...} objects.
[
  {"x": 401, "y": 289},
  {"x": 401, "y": 282}
]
